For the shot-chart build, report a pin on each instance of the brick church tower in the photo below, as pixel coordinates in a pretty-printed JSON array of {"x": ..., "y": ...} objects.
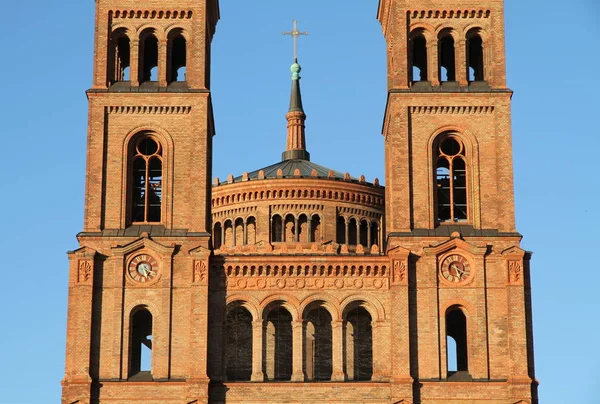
[{"x": 296, "y": 282}]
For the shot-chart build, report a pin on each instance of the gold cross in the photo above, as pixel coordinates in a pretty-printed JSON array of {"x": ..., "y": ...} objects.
[{"x": 295, "y": 34}]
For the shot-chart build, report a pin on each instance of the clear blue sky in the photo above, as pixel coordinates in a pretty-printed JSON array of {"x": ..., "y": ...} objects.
[{"x": 553, "y": 56}]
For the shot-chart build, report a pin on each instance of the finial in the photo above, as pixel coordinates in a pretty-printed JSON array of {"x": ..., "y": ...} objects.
[{"x": 295, "y": 69}]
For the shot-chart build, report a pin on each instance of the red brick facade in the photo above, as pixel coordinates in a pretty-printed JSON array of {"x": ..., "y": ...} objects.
[{"x": 292, "y": 286}]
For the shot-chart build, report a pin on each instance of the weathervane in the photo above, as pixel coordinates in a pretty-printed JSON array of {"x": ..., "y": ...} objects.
[{"x": 295, "y": 34}]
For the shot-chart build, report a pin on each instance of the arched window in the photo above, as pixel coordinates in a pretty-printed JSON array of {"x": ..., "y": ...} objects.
[
  {"x": 148, "y": 64},
  {"x": 290, "y": 229},
  {"x": 358, "y": 344},
  {"x": 340, "y": 230},
  {"x": 474, "y": 56},
  {"x": 228, "y": 231},
  {"x": 447, "y": 62},
  {"x": 419, "y": 57},
  {"x": 140, "y": 345},
  {"x": 238, "y": 344},
  {"x": 315, "y": 231},
  {"x": 177, "y": 58},
  {"x": 277, "y": 345},
  {"x": 239, "y": 231},
  {"x": 364, "y": 233},
  {"x": 318, "y": 364},
  {"x": 374, "y": 234},
  {"x": 217, "y": 235},
  {"x": 302, "y": 228},
  {"x": 276, "y": 229},
  {"x": 146, "y": 180},
  {"x": 451, "y": 180},
  {"x": 352, "y": 232},
  {"x": 456, "y": 337},
  {"x": 251, "y": 231},
  {"x": 121, "y": 54}
]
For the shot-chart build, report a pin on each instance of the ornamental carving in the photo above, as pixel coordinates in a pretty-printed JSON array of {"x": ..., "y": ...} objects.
[
  {"x": 515, "y": 275},
  {"x": 399, "y": 275},
  {"x": 84, "y": 274},
  {"x": 200, "y": 273},
  {"x": 236, "y": 277}
]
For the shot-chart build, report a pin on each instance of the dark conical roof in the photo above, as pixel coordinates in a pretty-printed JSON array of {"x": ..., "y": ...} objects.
[{"x": 288, "y": 169}]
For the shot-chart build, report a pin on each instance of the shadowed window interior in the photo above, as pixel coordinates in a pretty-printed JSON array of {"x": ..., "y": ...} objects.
[
  {"x": 228, "y": 234},
  {"x": 276, "y": 229},
  {"x": 140, "y": 351},
  {"x": 251, "y": 231},
  {"x": 315, "y": 231},
  {"x": 474, "y": 56},
  {"x": 317, "y": 345},
  {"x": 451, "y": 180},
  {"x": 456, "y": 337},
  {"x": 148, "y": 57},
  {"x": 352, "y": 232},
  {"x": 177, "y": 57},
  {"x": 238, "y": 344},
  {"x": 447, "y": 68},
  {"x": 121, "y": 56},
  {"x": 217, "y": 235},
  {"x": 358, "y": 345},
  {"x": 303, "y": 228},
  {"x": 277, "y": 345},
  {"x": 340, "y": 233},
  {"x": 419, "y": 58},
  {"x": 374, "y": 234},
  {"x": 146, "y": 190}
]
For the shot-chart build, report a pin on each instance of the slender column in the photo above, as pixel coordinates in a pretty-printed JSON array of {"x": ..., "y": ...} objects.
[
  {"x": 460, "y": 59},
  {"x": 257, "y": 344},
  {"x": 162, "y": 63},
  {"x": 298, "y": 348},
  {"x": 309, "y": 229},
  {"x": 432, "y": 59},
  {"x": 296, "y": 230},
  {"x": 337, "y": 348},
  {"x": 245, "y": 232},
  {"x": 223, "y": 236},
  {"x": 233, "y": 233},
  {"x": 134, "y": 62},
  {"x": 347, "y": 233},
  {"x": 358, "y": 232},
  {"x": 369, "y": 235}
]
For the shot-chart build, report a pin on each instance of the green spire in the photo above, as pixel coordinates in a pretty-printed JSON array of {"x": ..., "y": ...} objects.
[{"x": 296, "y": 96}]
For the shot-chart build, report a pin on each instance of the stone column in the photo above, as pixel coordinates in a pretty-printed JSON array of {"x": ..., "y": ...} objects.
[
  {"x": 308, "y": 229},
  {"x": 134, "y": 63},
  {"x": 337, "y": 347},
  {"x": 460, "y": 59},
  {"x": 296, "y": 230},
  {"x": 297, "y": 350},
  {"x": 245, "y": 241},
  {"x": 347, "y": 233},
  {"x": 162, "y": 63},
  {"x": 369, "y": 235},
  {"x": 257, "y": 357},
  {"x": 433, "y": 69}
]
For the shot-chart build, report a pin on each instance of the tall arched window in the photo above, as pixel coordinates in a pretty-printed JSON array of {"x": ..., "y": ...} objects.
[
  {"x": 251, "y": 231},
  {"x": 474, "y": 56},
  {"x": 177, "y": 58},
  {"x": 140, "y": 345},
  {"x": 148, "y": 62},
  {"x": 315, "y": 230},
  {"x": 228, "y": 233},
  {"x": 456, "y": 338},
  {"x": 418, "y": 57},
  {"x": 374, "y": 234},
  {"x": 303, "y": 228},
  {"x": 352, "y": 232},
  {"x": 289, "y": 229},
  {"x": 239, "y": 231},
  {"x": 318, "y": 363},
  {"x": 451, "y": 180},
  {"x": 121, "y": 56},
  {"x": 358, "y": 344},
  {"x": 146, "y": 180},
  {"x": 276, "y": 229},
  {"x": 238, "y": 344},
  {"x": 277, "y": 345},
  {"x": 217, "y": 235},
  {"x": 364, "y": 233},
  {"x": 340, "y": 230},
  {"x": 447, "y": 61}
]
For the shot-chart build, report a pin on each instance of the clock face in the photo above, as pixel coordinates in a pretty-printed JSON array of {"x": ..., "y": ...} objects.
[
  {"x": 455, "y": 269},
  {"x": 143, "y": 269}
]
